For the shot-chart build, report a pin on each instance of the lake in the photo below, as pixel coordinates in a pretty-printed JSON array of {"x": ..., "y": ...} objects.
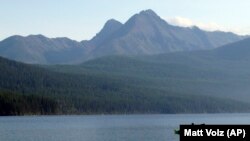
[{"x": 106, "y": 127}]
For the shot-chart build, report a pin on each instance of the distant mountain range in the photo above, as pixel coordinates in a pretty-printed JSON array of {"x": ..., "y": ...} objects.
[
  {"x": 37, "y": 49},
  {"x": 144, "y": 33}
]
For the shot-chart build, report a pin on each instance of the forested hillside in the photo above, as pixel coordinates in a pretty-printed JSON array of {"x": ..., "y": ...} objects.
[{"x": 27, "y": 89}]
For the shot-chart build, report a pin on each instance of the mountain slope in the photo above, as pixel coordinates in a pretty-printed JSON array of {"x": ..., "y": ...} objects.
[
  {"x": 109, "y": 28},
  {"x": 26, "y": 89},
  {"x": 42, "y": 50},
  {"x": 223, "y": 72},
  {"x": 235, "y": 51}
]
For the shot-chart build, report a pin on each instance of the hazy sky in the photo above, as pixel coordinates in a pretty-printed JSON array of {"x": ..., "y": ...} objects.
[{"x": 82, "y": 19}]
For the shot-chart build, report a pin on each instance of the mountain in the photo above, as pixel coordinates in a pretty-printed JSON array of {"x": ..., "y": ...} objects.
[
  {"x": 222, "y": 72},
  {"x": 147, "y": 33},
  {"x": 144, "y": 33},
  {"x": 38, "y": 49},
  {"x": 109, "y": 28}
]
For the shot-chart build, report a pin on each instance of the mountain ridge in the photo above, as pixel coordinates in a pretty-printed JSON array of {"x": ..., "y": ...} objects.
[
  {"x": 147, "y": 33},
  {"x": 144, "y": 33},
  {"x": 40, "y": 49}
]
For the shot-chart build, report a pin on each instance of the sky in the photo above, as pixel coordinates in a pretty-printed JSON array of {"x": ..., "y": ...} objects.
[{"x": 82, "y": 19}]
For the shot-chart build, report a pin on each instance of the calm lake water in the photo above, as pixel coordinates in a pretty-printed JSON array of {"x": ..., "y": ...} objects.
[{"x": 106, "y": 128}]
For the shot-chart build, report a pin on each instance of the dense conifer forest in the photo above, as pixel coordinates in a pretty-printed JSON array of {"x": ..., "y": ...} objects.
[{"x": 39, "y": 90}]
